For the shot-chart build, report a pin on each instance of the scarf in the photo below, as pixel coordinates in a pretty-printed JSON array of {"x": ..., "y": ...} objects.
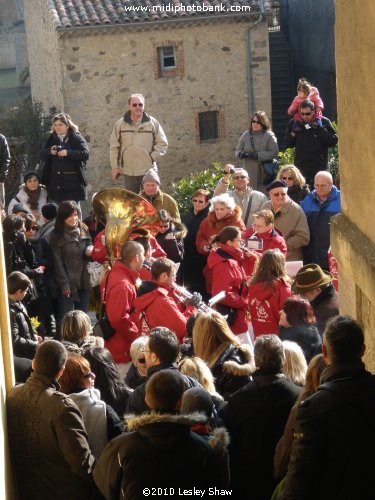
[
  {"x": 33, "y": 196},
  {"x": 75, "y": 232}
]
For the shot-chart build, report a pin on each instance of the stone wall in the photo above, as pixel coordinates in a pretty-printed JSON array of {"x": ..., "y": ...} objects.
[
  {"x": 43, "y": 53},
  {"x": 100, "y": 68},
  {"x": 353, "y": 232}
]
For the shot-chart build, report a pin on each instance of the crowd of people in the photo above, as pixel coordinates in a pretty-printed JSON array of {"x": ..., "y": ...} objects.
[{"x": 218, "y": 360}]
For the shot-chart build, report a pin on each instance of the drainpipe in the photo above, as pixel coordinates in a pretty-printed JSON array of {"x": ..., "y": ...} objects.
[{"x": 250, "y": 92}]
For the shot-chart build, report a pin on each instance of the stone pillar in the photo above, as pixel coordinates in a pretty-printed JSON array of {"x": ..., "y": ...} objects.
[{"x": 353, "y": 231}]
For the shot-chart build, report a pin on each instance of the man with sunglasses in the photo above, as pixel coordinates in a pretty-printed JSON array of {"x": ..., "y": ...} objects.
[
  {"x": 311, "y": 141},
  {"x": 290, "y": 219},
  {"x": 136, "y": 143},
  {"x": 249, "y": 200}
]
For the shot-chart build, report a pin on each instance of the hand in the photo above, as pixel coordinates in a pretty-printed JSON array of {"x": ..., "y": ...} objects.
[
  {"x": 207, "y": 248},
  {"x": 116, "y": 172},
  {"x": 227, "y": 168},
  {"x": 242, "y": 155},
  {"x": 53, "y": 151},
  {"x": 170, "y": 236},
  {"x": 66, "y": 292},
  {"x": 252, "y": 155},
  {"x": 62, "y": 153},
  {"x": 195, "y": 300},
  {"x": 89, "y": 250},
  {"x": 39, "y": 339},
  {"x": 40, "y": 269}
]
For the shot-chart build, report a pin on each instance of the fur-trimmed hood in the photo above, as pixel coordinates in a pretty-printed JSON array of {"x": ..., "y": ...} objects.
[
  {"x": 232, "y": 219},
  {"x": 237, "y": 361},
  {"x": 218, "y": 439}
]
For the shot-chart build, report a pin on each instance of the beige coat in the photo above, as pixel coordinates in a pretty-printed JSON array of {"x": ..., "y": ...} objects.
[
  {"x": 293, "y": 224},
  {"x": 164, "y": 201}
]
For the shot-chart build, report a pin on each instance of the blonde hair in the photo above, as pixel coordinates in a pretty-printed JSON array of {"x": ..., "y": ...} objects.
[
  {"x": 75, "y": 327},
  {"x": 270, "y": 268},
  {"x": 304, "y": 86},
  {"x": 211, "y": 335},
  {"x": 198, "y": 369},
  {"x": 266, "y": 216},
  {"x": 140, "y": 97},
  {"x": 138, "y": 347},
  {"x": 295, "y": 366},
  {"x": 298, "y": 178}
]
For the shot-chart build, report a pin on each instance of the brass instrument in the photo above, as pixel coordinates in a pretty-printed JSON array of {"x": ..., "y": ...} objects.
[
  {"x": 184, "y": 295},
  {"x": 123, "y": 212}
]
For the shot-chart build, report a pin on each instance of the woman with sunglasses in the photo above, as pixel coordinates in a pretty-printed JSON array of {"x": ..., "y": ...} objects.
[
  {"x": 32, "y": 194},
  {"x": 257, "y": 144},
  {"x": 194, "y": 262},
  {"x": 170, "y": 236},
  {"x": 65, "y": 155},
  {"x": 101, "y": 421},
  {"x": 297, "y": 187}
]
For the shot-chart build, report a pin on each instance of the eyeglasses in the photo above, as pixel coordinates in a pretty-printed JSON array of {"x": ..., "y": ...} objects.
[
  {"x": 138, "y": 104},
  {"x": 89, "y": 375},
  {"x": 306, "y": 114},
  {"x": 238, "y": 177},
  {"x": 195, "y": 200},
  {"x": 287, "y": 178},
  {"x": 255, "y": 121},
  {"x": 277, "y": 195}
]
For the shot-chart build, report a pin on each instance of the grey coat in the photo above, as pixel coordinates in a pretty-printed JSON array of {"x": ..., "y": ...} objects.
[
  {"x": 242, "y": 199},
  {"x": 265, "y": 145},
  {"x": 70, "y": 262}
]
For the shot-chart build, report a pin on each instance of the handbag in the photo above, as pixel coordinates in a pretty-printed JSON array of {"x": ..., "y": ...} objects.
[
  {"x": 270, "y": 169},
  {"x": 95, "y": 271},
  {"x": 103, "y": 327}
]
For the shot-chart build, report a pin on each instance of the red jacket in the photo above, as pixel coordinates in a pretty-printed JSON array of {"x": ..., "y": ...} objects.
[
  {"x": 155, "y": 306},
  {"x": 211, "y": 226},
  {"x": 265, "y": 304},
  {"x": 99, "y": 253},
  {"x": 230, "y": 268},
  {"x": 271, "y": 239},
  {"x": 121, "y": 295}
]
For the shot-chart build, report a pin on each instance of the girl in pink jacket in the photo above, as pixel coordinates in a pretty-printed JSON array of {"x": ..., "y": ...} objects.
[{"x": 306, "y": 91}]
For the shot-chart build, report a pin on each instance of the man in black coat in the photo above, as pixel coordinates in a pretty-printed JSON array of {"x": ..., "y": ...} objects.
[
  {"x": 255, "y": 417},
  {"x": 333, "y": 449},
  {"x": 161, "y": 353},
  {"x": 160, "y": 455},
  {"x": 311, "y": 141}
]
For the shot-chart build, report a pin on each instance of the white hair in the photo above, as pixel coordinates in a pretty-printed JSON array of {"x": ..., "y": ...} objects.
[
  {"x": 326, "y": 174},
  {"x": 242, "y": 171},
  {"x": 137, "y": 347},
  {"x": 225, "y": 199}
]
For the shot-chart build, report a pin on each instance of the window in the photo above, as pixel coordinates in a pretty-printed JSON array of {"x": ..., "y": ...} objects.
[
  {"x": 208, "y": 125},
  {"x": 167, "y": 58}
]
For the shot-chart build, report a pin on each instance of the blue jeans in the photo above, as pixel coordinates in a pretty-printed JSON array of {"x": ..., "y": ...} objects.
[{"x": 67, "y": 304}]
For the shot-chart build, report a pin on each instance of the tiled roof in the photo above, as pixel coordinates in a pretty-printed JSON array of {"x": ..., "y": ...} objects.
[{"x": 80, "y": 13}]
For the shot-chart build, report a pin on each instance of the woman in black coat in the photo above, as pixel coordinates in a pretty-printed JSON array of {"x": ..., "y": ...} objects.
[
  {"x": 194, "y": 262},
  {"x": 297, "y": 324},
  {"x": 65, "y": 154}
]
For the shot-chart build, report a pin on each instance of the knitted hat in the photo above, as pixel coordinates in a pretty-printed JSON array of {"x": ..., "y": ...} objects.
[
  {"x": 49, "y": 211},
  {"x": 197, "y": 399},
  {"x": 310, "y": 277},
  {"x": 30, "y": 174},
  {"x": 20, "y": 207},
  {"x": 151, "y": 176},
  {"x": 276, "y": 184}
]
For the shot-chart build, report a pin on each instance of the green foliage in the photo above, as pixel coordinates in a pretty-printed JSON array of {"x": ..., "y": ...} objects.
[
  {"x": 27, "y": 125},
  {"x": 286, "y": 157},
  {"x": 186, "y": 187}
]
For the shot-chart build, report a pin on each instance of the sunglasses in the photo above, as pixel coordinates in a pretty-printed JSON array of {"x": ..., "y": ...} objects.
[
  {"x": 239, "y": 177},
  {"x": 277, "y": 195},
  {"x": 255, "y": 121},
  {"x": 195, "y": 200},
  {"x": 306, "y": 114},
  {"x": 287, "y": 178},
  {"x": 137, "y": 104}
]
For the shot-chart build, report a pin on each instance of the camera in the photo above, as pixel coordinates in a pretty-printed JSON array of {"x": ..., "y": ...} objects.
[
  {"x": 59, "y": 147},
  {"x": 232, "y": 170}
]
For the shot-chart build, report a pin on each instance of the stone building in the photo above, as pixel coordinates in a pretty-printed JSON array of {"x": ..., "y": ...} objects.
[{"x": 202, "y": 73}]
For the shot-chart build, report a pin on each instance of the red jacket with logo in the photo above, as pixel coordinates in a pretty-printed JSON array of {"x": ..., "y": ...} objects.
[
  {"x": 155, "y": 306},
  {"x": 271, "y": 239},
  {"x": 230, "y": 268},
  {"x": 265, "y": 304},
  {"x": 120, "y": 298}
]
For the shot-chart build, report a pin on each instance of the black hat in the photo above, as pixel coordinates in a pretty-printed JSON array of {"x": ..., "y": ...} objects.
[
  {"x": 32, "y": 173},
  {"x": 49, "y": 211},
  {"x": 276, "y": 184},
  {"x": 20, "y": 207}
]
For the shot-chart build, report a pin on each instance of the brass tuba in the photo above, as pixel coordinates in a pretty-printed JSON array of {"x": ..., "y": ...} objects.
[{"x": 123, "y": 212}]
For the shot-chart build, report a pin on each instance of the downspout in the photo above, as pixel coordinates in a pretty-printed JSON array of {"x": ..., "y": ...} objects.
[{"x": 250, "y": 91}]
